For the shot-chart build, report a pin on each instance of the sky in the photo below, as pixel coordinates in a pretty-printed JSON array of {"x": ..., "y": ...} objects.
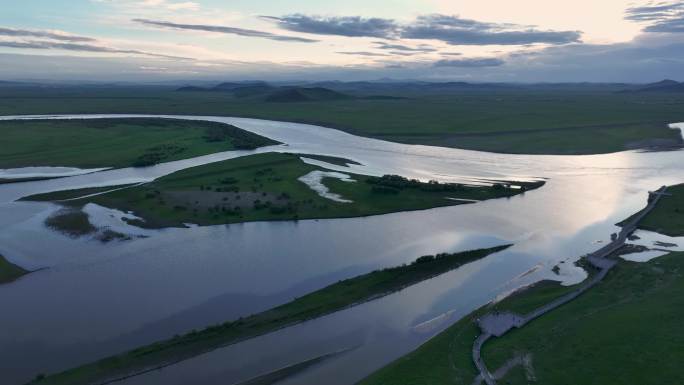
[{"x": 433, "y": 40}]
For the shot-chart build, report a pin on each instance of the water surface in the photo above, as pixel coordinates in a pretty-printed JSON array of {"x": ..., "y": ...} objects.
[{"x": 98, "y": 299}]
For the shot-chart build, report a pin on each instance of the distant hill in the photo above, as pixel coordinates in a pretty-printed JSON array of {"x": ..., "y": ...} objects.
[
  {"x": 224, "y": 87},
  {"x": 277, "y": 94},
  {"x": 230, "y": 86},
  {"x": 303, "y": 94},
  {"x": 666, "y": 85},
  {"x": 255, "y": 90},
  {"x": 191, "y": 89}
]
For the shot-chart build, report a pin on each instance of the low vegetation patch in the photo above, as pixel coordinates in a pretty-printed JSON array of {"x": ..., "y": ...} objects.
[
  {"x": 330, "y": 159},
  {"x": 70, "y": 194},
  {"x": 332, "y": 298},
  {"x": 71, "y": 221},
  {"x": 9, "y": 271}
]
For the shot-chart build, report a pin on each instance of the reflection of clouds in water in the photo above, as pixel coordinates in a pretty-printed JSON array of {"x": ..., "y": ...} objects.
[{"x": 314, "y": 181}]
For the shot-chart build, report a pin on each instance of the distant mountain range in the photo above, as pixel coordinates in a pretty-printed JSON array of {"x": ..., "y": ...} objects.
[
  {"x": 280, "y": 94},
  {"x": 666, "y": 85}
]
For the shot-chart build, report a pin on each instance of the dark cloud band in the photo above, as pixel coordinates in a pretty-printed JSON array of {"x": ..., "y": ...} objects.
[
  {"x": 662, "y": 18},
  {"x": 80, "y": 48},
  {"x": 350, "y": 26},
  {"x": 43, "y": 34},
  {"x": 470, "y": 63},
  {"x": 449, "y": 29},
  {"x": 226, "y": 30}
]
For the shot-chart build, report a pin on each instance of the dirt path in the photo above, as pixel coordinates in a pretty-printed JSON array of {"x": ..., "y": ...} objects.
[{"x": 499, "y": 323}]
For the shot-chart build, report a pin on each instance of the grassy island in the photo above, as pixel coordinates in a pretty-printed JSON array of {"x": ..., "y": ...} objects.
[
  {"x": 590, "y": 340},
  {"x": 127, "y": 142},
  {"x": 267, "y": 187},
  {"x": 335, "y": 297},
  {"x": 9, "y": 271}
]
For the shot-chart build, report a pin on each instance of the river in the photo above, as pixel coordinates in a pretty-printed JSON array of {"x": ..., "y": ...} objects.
[{"x": 91, "y": 299}]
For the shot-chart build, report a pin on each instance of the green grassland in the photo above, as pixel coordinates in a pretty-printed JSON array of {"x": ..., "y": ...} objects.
[
  {"x": 335, "y": 297},
  {"x": 9, "y": 271},
  {"x": 446, "y": 358},
  {"x": 536, "y": 121},
  {"x": 115, "y": 142},
  {"x": 668, "y": 216},
  {"x": 626, "y": 330},
  {"x": 266, "y": 187}
]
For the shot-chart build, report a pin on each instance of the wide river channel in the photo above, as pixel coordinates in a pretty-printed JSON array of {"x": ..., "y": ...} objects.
[{"x": 89, "y": 299}]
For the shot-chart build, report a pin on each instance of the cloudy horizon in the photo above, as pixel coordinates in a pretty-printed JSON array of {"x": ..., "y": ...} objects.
[{"x": 438, "y": 40}]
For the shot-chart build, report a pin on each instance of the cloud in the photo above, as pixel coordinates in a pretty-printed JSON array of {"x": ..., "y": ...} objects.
[
  {"x": 661, "y": 17},
  {"x": 350, "y": 26},
  {"x": 226, "y": 30},
  {"x": 457, "y": 31},
  {"x": 470, "y": 62},
  {"x": 55, "y": 35},
  {"x": 362, "y": 53},
  {"x": 654, "y": 12},
  {"x": 450, "y": 29},
  {"x": 81, "y": 48},
  {"x": 401, "y": 47}
]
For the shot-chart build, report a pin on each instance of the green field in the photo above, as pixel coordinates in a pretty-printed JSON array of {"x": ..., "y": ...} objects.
[
  {"x": 668, "y": 216},
  {"x": 519, "y": 120},
  {"x": 9, "y": 271},
  {"x": 446, "y": 358},
  {"x": 332, "y": 298},
  {"x": 115, "y": 142},
  {"x": 626, "y": 330},
  {"x": 266, "y": 187}
]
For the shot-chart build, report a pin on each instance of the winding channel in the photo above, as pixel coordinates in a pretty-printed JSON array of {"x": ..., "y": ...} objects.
[{"x": 94, "y": 300}]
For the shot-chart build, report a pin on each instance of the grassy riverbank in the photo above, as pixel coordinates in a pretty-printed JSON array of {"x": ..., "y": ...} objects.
[
  {"x": 266, "y": 187},
  {"x": 541, "y": 120},
  {"x": 626, "y": 330},
  {"x": 668, "y": 215},
  {"x": 332, "y": 298},
  {"x": 10, "y": 272},
  {"x": 116, "y": 143},
  {"x": 446, "y": 358}
]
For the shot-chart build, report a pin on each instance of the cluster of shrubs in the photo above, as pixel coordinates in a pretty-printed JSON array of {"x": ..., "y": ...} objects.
[
  {"x": 234, "y": 189},
  {"x": 157, "y": 154},
  {"x": 241, "y": 139},
  {"x": 393, "y": 184}
]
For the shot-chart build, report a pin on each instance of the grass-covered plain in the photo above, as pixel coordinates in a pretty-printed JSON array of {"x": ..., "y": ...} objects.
[
  {"x": 266, "y": 187},
  {"x": 668, "y": 215},
  {"x": 332, "y": 298},
  {"x": 513, "y": 120},
  {"x": 9, "y": 271},
  {"x": 626, "y": 330},
  {"x": 96, "y": 143},
  {"x": 446, "y": 359}
]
